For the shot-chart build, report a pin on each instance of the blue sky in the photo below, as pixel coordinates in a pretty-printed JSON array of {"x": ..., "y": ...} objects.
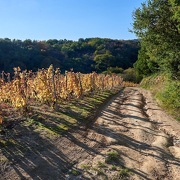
[{"x": 67, "y": 19}]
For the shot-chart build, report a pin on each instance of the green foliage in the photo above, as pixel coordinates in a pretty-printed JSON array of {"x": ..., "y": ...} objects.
[
  {"x": 85, "y": 166},
  {"x": 170, "y": 96},
  {"x": 156, "y": 23},
  {"x": 112, "y": 156},
  {"x": 116, "y": 70},
  {"x": 114, "y": 168},
  {"x": 131, "y": 75},
  {"x": 103, "y": 61},
  {"x": 176, "y": 11},
  {"x": 100, "y": 172},
  {"x": 144, "y": 66},
  {"x": 84, "y": 55},
  {"x": 166, "y": 90},
  {"x": 101, "y": 164},
  {"x": 75, "y": 172},
  {"x": 124, "y": 172}
]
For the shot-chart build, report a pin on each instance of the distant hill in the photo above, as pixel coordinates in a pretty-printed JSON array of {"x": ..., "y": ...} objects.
[{"x": 84, "y": 55}]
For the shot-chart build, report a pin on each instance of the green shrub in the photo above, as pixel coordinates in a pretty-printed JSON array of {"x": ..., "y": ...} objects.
[
  {"x": 131, "y": 75},
  {"x": 170, "y": 97}
]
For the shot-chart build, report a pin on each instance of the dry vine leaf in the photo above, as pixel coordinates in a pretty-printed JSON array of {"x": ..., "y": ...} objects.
[{"x": 1, "y": 119}]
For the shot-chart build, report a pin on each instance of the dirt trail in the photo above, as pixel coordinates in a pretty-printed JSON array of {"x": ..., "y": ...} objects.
[{"x": 144, "y": 137}]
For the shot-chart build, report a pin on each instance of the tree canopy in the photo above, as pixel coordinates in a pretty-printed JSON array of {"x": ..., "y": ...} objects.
[
  {"x": 84, "y": 55},
  {"x": 157, "y": 24}
]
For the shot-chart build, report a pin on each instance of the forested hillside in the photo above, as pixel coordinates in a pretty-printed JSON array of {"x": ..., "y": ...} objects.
[{"x": 84, "y": 55}]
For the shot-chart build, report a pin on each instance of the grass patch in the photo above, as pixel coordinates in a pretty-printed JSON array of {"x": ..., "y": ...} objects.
[
  {"x": 114, "y": 168},
  {"x": 85, "y": 166},
  {"x": 170, "y": 97},
  {"x": 124, "y": 172},
  {"x": 166, "y": 91},
  {"x": 75, "y": 172},
  {"x": 101, "y": 164},
  {"x": 112, "y": 156},
  {"x": 3, "y": 143},
  {"x": 7, "y": 142},
  {"x": 99, "y": 171}
]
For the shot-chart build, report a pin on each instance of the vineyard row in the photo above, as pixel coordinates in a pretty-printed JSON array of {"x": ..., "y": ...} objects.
[{"x": 50, "y": 86}]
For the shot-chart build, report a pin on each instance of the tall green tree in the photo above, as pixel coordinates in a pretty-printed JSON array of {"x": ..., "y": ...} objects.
[
  {"x": 103, "y": 61},
  {"x": 156, "y": 23}
]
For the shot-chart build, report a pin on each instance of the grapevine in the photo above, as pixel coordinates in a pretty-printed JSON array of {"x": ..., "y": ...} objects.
[{"x": 50, "y": 86}]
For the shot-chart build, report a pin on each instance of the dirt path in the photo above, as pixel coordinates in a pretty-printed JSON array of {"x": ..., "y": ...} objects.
[{"x": 131, "y": 139}]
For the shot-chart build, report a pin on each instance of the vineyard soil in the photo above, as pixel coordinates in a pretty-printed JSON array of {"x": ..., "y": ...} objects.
[{"x": 132, "y": 138}]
